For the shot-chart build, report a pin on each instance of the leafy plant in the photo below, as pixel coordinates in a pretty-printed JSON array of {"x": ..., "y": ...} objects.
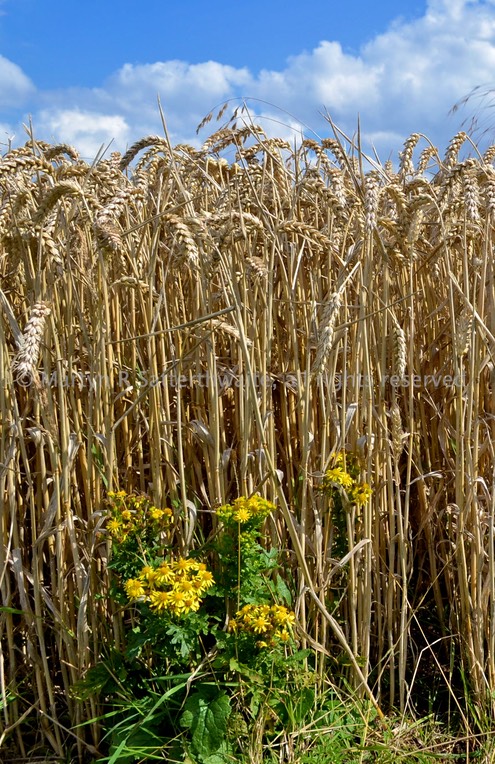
[
  {"x": 206, "y": 713},
  {"x": 193, "y": 636}
]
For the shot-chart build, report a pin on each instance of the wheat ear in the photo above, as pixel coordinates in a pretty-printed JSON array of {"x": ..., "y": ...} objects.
[{"x": 25, "y": 363}]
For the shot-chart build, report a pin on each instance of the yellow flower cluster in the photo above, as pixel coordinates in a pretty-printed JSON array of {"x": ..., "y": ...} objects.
[
  {"x": 360, "y": 494},
  {"x": 271, "y": 622},
  {"x": 130, "y": 513},
  {"x": 175, "y": 587},
  {"x": 338, "y": 476},
  {"x": 243, "y": 509},
  {"x": 344, "y": 474}
]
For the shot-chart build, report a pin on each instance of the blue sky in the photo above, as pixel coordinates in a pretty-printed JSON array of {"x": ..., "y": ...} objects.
[{"x": 91, "y": 72}]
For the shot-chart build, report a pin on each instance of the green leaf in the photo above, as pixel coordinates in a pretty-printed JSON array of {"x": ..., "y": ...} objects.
[
  {"x": 102, "y": 678},
  {"x": 8, "y": 699},
  {"x": 205, "y": 715},
  {"x": 11, "y": 610},
  {"x": 219, "y": 758},
  {"x": 304, "y": 702},
  {"x": 245, "y": 671},
  {"x": 183, "y": 638},
  {"x": 297, "y": 657},
  {"x": 283, "y": 590},
  {"x": 139, "y": 743},
  {"x": 119, "y": 752},
  {"x": 136, "y": 642}
]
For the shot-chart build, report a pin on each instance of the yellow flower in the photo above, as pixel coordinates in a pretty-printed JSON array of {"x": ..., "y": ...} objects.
[
  {"x": 159, "y": 600},
  {"x": 348, "y": 461},
  {"x": 191, "y": 602},
  {"x": 242, "y": 515},
  {"x": 155, "y": 513},
  {"x": 255, "y": 505},
  {"x": 126, "y": 514},
  {"x": 338, "y": 476},
  {"x": 185, "y": 586},
  {"x": 360, "y": 494},
  {"x": 282, "y": 616},
  {"x": 225, "y": 511},
  {"x": 243, "y": 509},
  {"x": 165, "y": 574},
  {"x": 113, "y": 526},
  {"x": 183, "y": 564},
  {"x": 206, "y": 579},
  {"x": 176, "y": 600},
  {"x": 260, "y": 624},
  {"x": 134, "y": 588},
  {"x": 338, "y": 458},
  {"x": 149, "y": 574}
]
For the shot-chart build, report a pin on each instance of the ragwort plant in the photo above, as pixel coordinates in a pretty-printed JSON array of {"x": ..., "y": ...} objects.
[
  {"x": 207, "y": 637},
  {"x": 343, "y": 478},
  {"x": 342, "y": 484}
]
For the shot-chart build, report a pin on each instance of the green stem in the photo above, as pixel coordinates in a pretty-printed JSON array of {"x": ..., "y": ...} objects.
[{"x": 238, "y": 566}]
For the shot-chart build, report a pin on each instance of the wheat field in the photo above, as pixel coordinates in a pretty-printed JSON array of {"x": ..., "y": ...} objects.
[{"x": 197, "y": 324}]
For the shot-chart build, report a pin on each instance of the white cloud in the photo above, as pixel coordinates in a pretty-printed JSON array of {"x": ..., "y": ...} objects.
[
  {"x": 440, "y": 9},
  {"x": 170, "y": 77},
  {"x": 87, "y": 131},
  {"x": 326, "y": 76},
  {"x": 186, "y": 92},
  {"x": 15, "y": 87},
  {"x": 403, "y": 80}
]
